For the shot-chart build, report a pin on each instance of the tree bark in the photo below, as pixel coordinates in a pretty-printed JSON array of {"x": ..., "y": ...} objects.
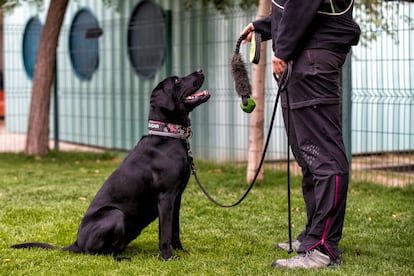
[
  {"x": 37, "y": 141},
  {"x": 256, "y": 134}
]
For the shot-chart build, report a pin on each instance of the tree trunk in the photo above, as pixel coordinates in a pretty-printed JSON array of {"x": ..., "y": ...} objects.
[
  {"x": 37, "y": 141},
  {"x": 256, "y": 135}
]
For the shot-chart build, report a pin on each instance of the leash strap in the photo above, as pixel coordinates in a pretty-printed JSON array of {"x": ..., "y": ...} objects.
[
  {"x": 288, "y": 71},
  {"x": 282, "y": 83},
  {"x": 290, "y": 250}
]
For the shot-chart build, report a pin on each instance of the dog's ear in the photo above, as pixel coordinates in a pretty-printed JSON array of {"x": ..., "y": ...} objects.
[{"x": 161, "y": 99}]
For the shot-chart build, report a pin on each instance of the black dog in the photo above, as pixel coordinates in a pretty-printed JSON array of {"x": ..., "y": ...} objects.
[{"x": 149, "y": 182}]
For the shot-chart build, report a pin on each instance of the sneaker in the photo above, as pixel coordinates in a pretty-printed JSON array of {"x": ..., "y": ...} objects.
[
  {"x": 310, "y": 260},
  {"x": 285, "y": 245},
  {"x": 335, "y": 263}
]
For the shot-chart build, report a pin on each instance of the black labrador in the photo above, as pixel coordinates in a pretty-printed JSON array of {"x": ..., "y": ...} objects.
[{"x": 150, "y": 180}]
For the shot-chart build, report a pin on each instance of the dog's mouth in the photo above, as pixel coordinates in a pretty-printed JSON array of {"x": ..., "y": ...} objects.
[{"x": 198, "y": 97}]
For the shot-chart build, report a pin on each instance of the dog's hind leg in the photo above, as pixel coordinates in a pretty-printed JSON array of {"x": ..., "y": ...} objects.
[{"x": 104, "y": 234}]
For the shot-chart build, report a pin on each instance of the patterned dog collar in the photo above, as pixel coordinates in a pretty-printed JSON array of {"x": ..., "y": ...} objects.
[{"x": 169, "y": 130}]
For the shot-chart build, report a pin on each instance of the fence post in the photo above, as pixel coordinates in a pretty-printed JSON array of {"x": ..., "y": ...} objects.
[
  {"x": 168, "y": 34},
  {"x": 347, "y": 108},
  {"x": 56, "y": 108}
]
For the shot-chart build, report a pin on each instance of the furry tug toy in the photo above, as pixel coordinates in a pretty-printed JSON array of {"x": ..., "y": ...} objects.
[{"x": 239, "y": 71}]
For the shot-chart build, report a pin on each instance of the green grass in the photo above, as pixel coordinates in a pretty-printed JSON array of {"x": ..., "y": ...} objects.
[{"x": 43, "y": 199}]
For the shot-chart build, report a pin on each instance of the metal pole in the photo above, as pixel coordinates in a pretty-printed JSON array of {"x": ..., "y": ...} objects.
[
  {"x": 56, "y": 109},
  {"x": 168, "y": 38}
]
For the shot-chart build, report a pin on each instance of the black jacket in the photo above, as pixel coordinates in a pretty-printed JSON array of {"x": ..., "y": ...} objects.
[{"x": 295, "y": 25}]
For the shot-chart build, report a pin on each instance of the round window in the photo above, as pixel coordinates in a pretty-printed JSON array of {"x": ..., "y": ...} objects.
[
  {"x": 84, "y": 44},
  {"x": 146, "y": 39},
  {"x": 31, "y": 40}
]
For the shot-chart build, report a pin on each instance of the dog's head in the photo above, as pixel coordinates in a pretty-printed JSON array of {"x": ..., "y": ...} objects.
[{"x": 174, "y": 98}]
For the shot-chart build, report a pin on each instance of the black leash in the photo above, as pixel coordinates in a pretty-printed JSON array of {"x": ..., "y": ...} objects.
[
  {"x": 282, "y": 83},
  {"x": 290, "y": 250}
]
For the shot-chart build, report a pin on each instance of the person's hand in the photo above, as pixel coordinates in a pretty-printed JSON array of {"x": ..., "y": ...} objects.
[
  {"x": 278, "y": 66},
  {"x": 247, "y": 30}
]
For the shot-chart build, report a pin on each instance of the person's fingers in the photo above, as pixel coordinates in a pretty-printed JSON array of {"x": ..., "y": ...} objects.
[
  {"x": 247, "y": 31},
  {"x": 278, "y": 66},
  {"x": 247, "y": 39}
]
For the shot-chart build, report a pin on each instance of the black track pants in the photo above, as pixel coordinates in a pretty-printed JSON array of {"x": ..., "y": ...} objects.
[{"x": 315, "y": 132}]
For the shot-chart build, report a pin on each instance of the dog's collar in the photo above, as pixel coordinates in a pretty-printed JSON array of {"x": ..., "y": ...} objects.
[{"x": 169, "y": 130}]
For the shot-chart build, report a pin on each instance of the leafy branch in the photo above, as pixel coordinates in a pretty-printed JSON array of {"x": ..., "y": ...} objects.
[{"x": 372, "y": 15}]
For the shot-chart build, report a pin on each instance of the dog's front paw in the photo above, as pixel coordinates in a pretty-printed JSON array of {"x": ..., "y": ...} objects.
[{"x": 166, "y": 255}]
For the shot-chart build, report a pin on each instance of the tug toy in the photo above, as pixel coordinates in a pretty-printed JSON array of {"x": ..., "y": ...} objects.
[{"x": 239, "y": 71}]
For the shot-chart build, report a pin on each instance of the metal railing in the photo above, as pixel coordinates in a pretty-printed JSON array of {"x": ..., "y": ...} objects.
[{"x": 103, "y": 112}]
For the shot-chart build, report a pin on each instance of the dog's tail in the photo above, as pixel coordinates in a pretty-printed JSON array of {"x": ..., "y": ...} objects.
[{"x": 29, "y": 245}]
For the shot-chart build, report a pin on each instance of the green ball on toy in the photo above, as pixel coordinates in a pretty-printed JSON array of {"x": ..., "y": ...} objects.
[{"x": 248, "y": 105}]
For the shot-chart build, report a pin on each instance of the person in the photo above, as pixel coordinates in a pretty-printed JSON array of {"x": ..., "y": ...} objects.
[{"x": 315, "y": 37}]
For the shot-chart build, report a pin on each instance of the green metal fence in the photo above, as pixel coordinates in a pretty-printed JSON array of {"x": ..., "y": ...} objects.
[
  {"x": 383, "y": 101},
  {"x": 110, "y": 109}
]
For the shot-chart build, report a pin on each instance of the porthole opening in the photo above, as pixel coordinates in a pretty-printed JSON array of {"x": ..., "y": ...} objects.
[
  {"x": 146, "y": 39},
  {"x": 84, "y": 44},
  {"x": 31, "y": 41}
]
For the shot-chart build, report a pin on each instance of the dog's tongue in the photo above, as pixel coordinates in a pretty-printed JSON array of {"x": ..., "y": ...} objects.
[{"x": 197, "y": 94}]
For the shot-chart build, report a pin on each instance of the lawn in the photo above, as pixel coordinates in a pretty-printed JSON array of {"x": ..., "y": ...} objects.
[{"x": 43, "y": 199}]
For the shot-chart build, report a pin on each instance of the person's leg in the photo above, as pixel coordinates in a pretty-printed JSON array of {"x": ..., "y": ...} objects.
[
  {"x": 326, "y": 229},
  {"x": 319, "y": 145},
  {"x": 309, "y": 198},
  {"x": 325, "y": 195},
  {"x": 320, "y": 142}
]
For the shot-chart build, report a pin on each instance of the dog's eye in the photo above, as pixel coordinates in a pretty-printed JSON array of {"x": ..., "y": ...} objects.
[{"x": 177, "y": 81}]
